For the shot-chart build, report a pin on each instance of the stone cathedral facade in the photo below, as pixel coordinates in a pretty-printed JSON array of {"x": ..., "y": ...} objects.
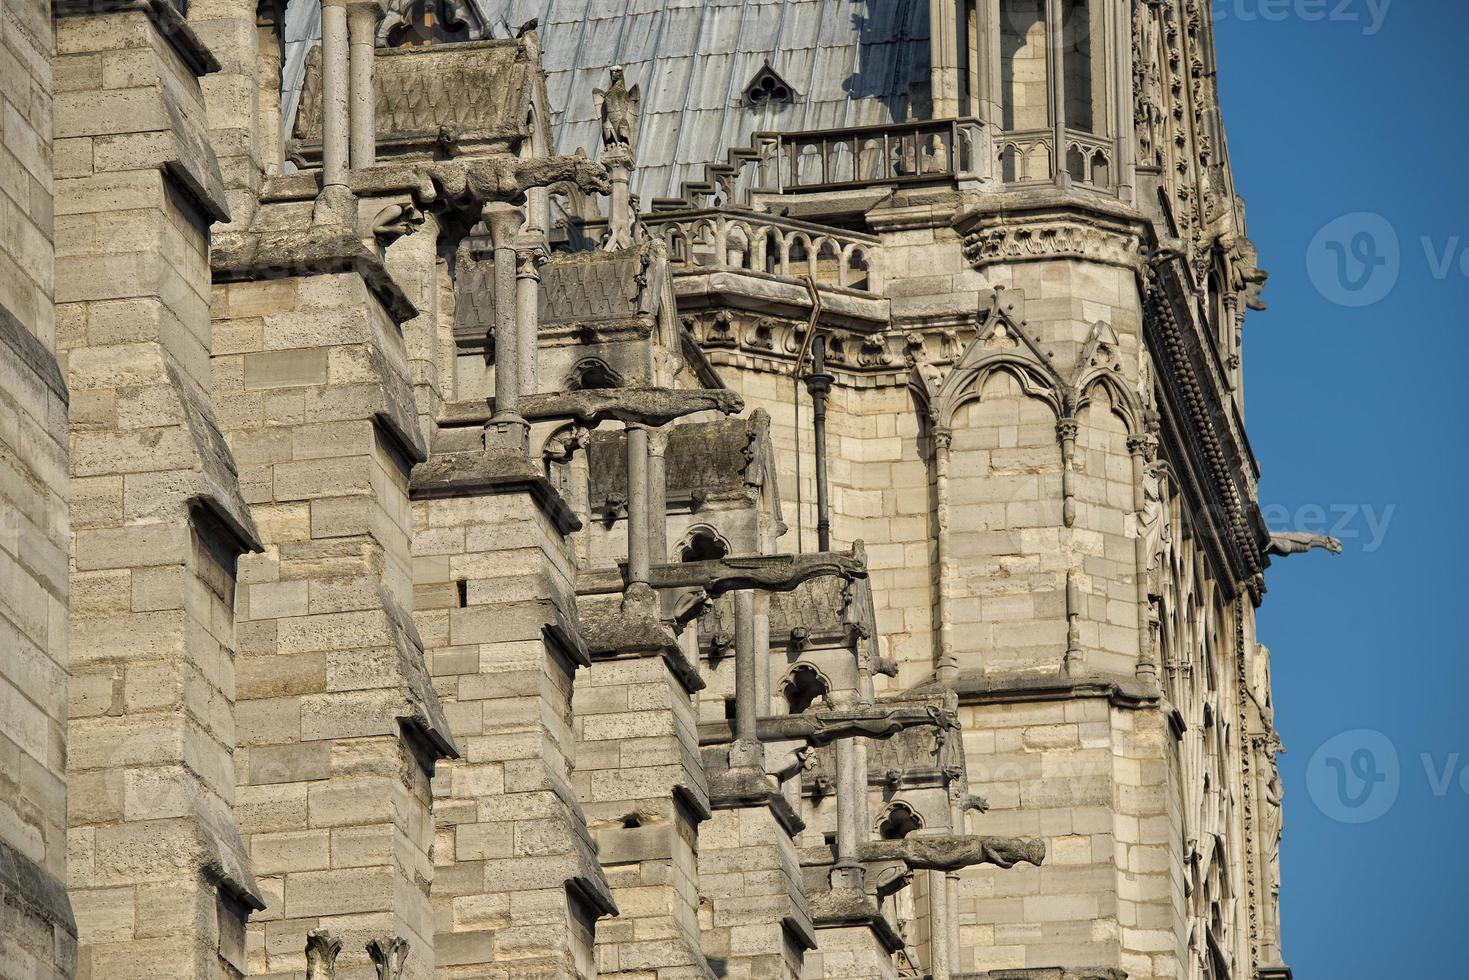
[{"x": 639, "y": 489}]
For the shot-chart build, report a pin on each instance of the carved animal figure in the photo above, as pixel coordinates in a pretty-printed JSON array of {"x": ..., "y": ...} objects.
[
  {"x": 1287, "y": 543},
  {"x": 618, "y": 107}
]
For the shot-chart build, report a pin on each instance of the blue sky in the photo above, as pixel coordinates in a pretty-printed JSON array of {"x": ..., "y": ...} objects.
[{"x": 1358, "y": 127}]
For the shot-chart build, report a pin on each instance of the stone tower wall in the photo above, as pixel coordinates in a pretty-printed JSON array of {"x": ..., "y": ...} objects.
[{"x": 37, "y": 931}]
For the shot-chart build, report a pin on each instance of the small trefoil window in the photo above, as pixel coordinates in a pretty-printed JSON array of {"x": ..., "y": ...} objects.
[{"x": 768, "y": 88}]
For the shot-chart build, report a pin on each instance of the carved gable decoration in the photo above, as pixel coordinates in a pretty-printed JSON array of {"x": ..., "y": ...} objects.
[
  {"x": 476, "y": 95},
  {"x": 723, "y": 457},
  {"x": 582, "y": 286}
]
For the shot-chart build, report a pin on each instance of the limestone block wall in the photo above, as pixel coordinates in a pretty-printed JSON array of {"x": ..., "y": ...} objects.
[
  {"x": 159, "y": 875},
  {"x": 243, "y": 97},
  {"x": 339, "y": 727},
  {"x": 1090, "y": 779},
  {"x": 37, "y": 931},
  {"x": 748, "y": 875},
  {"x": 642, "y": 785},
  {"x": 517, "y": 885}
]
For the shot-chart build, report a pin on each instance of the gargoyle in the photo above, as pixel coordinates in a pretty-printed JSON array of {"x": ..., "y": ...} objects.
[
  {"x": 825, "y": 727},
  {"x": 716, "y": 576},
  {"x": 636, "y": 406},
  {"x": 950, "y": 852},
  {"x": 480, "y": 180},
  {"x": 1287, "y": 543},
  {"x": 767, "y": 573}
]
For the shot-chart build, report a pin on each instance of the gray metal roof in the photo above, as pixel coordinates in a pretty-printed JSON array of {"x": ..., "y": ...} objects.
[{"x": 850, "y": 62}]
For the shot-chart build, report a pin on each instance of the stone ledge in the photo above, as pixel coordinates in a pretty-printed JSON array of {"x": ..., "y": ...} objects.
[
  {"x": 845, "y": 908},
  {"x": 316, "y": 250},
  {"x": 977, "y": 687},
  {"x": 32, "y": 353},
  {"x": 36, "y": 887},
  {"x": 490, "y": 473}
]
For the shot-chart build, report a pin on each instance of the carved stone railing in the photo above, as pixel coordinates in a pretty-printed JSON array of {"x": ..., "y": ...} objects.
[
  {"x": 766, "y": 243},
  {"x": 1029, "y": 156},
  {"x": 932, "y": 151},
  {"x": 921, "y": 151}
]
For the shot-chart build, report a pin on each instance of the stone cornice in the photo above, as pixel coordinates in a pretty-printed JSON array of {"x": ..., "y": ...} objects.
[
  {"x": 170, "y": 23},
  {"x": 975, "y": 687},
  {"x": 1045, "y": 225}
]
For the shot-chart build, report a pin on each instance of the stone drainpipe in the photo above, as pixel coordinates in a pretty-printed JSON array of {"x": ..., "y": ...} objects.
[{"x": 818, "y": 383}]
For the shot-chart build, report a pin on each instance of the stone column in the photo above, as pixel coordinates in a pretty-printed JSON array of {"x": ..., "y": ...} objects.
[
  {"x": 1144, "y": 450},
  {"x": 529, "y": 257},
  {"x": 944, "y": 55},
  {"x": 507, "y": 430},
  {"x": 335, "y": 96},
  {"x": 363, "y": 18},
  {"x": 1056, "y": 81},
  {"x": 658, "y": 494},
  {"x": 746, "y": 751},
  {"x": 939, "y": 926},
  {"x": 638, "y": 518},
  {"x": 620, "y": 216},
  {"x": 947, "y": 667},
  {"x": 1122, "y": 105}
]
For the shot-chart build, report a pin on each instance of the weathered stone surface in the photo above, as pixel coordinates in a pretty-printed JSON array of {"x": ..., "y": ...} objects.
[{"x": 319, "y": 662}]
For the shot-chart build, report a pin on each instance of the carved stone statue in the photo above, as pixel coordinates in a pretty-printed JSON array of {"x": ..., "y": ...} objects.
[
  {"x": 1287, "y": 543},
  {"x": 1150, "y": 523},
  {"x": 950, "y": 852},
  {"x": 618, "y": 107}
]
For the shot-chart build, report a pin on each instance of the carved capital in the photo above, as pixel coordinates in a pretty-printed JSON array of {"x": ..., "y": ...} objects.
[
  {"x": 322, "y": 949},
  {"x": 389, "y": 954},
  {"x": 503, "y": 222}
]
